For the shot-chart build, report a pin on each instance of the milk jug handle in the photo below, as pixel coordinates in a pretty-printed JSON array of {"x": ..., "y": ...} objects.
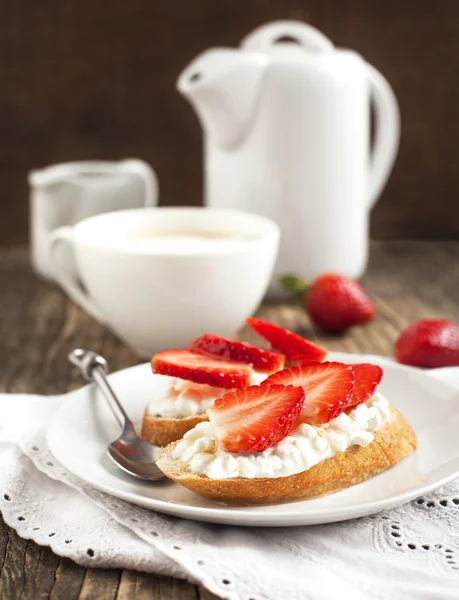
[
  {"x": 387, "y": 133},
  {"x": 263, "y": 38},
  {"x": 148, "y": 176}
]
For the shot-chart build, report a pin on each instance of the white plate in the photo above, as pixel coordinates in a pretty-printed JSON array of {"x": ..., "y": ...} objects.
[{"x": 83, "y": 426}]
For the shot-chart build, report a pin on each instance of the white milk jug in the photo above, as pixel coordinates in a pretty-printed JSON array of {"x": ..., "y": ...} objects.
[
  {"x": 67, "y": 193},
  {"x": 286, "y": 119}
]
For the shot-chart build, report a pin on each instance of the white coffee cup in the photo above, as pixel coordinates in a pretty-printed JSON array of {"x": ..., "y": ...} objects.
[
  {"x": 66, "y": 193},
  {"x": 159, "y": 277}
]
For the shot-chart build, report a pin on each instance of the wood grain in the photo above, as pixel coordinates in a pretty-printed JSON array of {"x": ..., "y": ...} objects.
[
  {"x": 68, "y": 580},
  {"x": 13, "y": 573},
  {"x": 83, "y": 79},
  {"x": 39, "y": 326}
]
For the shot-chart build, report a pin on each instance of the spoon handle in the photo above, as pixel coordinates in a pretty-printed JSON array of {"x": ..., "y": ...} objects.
[{"x": 95, "y": 368}]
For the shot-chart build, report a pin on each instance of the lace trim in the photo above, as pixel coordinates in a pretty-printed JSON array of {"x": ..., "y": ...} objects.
[{"x": 427, "y": 528}]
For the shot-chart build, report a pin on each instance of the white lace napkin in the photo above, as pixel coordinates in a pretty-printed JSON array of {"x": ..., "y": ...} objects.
[{"x": 411, "y": 552}]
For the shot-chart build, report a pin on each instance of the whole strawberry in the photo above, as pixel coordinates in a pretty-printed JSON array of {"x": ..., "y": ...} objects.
[
  {"x": 334, "y": 302},
  {"x": 429, "y": 343}
]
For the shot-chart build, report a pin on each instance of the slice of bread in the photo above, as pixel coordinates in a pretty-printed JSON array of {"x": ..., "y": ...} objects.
[
  {"x": 161, "y": 431},
  {"x": 393, "y": 441}
]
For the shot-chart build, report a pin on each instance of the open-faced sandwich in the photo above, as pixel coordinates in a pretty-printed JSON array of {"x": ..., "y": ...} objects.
[
  {"x": 302, "y": 432},
  {"x": 243, "y": 428}
]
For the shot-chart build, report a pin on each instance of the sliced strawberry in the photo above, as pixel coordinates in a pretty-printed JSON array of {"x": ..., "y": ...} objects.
[
  {"x": 367, "y": 378},
  {"x": 295, "y": 347},
  {"x": 261, "y": 360},
  {"x": 256, "y": 418},
  {"x": 195, "y": 366},
  {"x": 327, "y": 386}
]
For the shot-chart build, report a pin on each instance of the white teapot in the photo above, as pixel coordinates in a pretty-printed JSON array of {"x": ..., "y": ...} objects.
[{"x": 287, "y": 135}]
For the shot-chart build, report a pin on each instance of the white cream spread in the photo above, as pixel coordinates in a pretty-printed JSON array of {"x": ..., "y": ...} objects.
[
  {"x": 183, "y": 398},
  {"x": 303, "y": 448}
]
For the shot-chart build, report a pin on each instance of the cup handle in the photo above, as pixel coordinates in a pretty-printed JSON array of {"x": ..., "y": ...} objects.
[
  {"x": 387, "y": 133},
  {"x": 68, "y": 282},
  {"x": 150, "y": 181}
]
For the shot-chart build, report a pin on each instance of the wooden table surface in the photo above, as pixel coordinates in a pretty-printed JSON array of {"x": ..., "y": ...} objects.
[{"x": 39, "y": 326}]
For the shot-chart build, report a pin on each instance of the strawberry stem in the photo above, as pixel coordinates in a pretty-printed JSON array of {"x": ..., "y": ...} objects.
[{"x": 294, "y": 284}]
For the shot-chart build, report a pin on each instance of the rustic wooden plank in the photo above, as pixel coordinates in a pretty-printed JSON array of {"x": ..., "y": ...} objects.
[
  {"x": 132, "y": 586},
  {"x": 174, "y": 589},
  {"x": 12, "y": 574},
  {"x": 143, "y": 586},
  {"x": 68, "y": 581},
  {"x": 100, "y": 584},
  {"x": 40, "y": 566},
  {"x": 3, "y": 541}
]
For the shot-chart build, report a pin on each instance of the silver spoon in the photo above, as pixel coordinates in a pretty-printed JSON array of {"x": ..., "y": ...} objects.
[{"x": 129, "y": 452}]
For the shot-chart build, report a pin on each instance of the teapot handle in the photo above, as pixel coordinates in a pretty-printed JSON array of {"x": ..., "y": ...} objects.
[
  {"x": 150, "y": 181},
  {"x": 387, "y": 133},
  {"x": 265, "y": 37}
]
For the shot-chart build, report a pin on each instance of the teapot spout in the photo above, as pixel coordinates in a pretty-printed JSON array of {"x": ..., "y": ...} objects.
[{"x": 222, "y": 84}]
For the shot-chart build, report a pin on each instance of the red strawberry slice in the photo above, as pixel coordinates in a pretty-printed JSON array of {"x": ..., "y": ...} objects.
[
  {"x": 256, "y": 418},
  {"x": 194, "y": 366},
  {"x": 295, "y": 347},
  {"x": 327, "y": 386},
  {"x": 260, "y": 359},
  {"x": 367, "y": 378}
]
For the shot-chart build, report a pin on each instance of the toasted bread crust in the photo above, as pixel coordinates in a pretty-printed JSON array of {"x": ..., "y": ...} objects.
[
  {"x": 393, "y": 441},
  {"x": 161, "y": 431}
]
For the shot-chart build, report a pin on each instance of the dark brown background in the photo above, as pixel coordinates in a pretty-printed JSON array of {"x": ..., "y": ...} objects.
[{"x": 87, "y": 79}]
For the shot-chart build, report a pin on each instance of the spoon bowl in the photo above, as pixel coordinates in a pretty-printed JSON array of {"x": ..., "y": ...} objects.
[
  {"x": 135, "y": 456},
  {"x": 129, "y": 452}
]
